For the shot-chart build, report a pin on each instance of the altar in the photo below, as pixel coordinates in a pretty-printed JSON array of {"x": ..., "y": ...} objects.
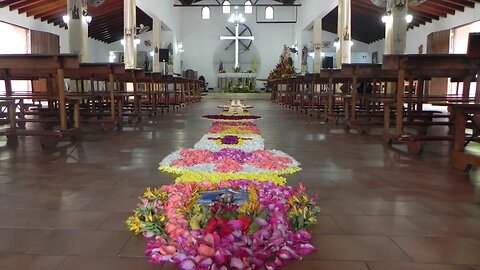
[{"x": 225, "y": 78}]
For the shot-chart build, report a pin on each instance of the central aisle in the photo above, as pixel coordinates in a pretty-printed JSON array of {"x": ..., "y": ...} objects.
[{"x": 379, "y": 207}]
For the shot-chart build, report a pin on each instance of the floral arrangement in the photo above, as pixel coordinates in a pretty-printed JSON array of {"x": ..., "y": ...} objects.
[
  {"x": 217, "y": 142},
  {"x": 234, "y": 128},
  {"x": 284, "y": 68},
  {"x": 267, "y": 230},
  {"x": 220, "y": 117},
  {"x": 229, "y": 207},
  {"x": 231, "y": 162}
]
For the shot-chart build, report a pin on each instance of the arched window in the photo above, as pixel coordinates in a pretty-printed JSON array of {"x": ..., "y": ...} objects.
[
  {"x": 269, "y": 13},
  {"x": 206, "y": 13},
  {"x": 248, "y": 7},
  {"x": 226, "y": 6}
]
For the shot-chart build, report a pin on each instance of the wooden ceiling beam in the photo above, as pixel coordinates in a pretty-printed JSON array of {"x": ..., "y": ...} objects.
[
  {"x": 57, "y": 11},
  {"x": 438, "y": 7},
  {"x": 42, "y": 7},
  {"x": 466, "y": 3},
  {"x": 22, "y": 3},
  {"x": 7, "y": 3}
]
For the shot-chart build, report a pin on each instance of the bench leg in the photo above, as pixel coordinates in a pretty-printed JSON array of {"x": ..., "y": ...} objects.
[
  {"x": 12, "y": 141},
  {"x": 49, "y": 143},
  {"x": 414, "y": 147}
]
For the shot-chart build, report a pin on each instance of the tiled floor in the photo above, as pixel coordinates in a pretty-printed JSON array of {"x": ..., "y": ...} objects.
[{"x": 382, "y": 209}]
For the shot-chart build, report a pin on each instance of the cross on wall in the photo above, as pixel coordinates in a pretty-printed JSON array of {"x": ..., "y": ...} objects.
[{"x": 237, "y": 38}]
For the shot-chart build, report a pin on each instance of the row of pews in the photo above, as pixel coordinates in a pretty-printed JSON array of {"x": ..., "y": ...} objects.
[
  {"x": 395, "y": 97},
  {"x": 65, "y": 95}
]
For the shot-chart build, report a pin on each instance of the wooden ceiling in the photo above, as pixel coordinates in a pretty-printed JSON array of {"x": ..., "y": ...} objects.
[
  {"x": 107, "y": 23},
  {"x": 368, "y": 27}
]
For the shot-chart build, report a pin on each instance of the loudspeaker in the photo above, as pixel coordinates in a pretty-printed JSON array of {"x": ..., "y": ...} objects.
[
  {"x": 327, "y": 62},
  {"x": 163, "y": 55}
]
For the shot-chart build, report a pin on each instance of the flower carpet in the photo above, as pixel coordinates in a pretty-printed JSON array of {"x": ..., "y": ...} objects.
[{"x": 230, "y": 207}]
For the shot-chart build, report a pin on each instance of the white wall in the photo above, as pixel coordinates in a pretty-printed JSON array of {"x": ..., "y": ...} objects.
[
  {"x": 98, "y": 51},
  {"x": 418, "y": 35},
  {"x": 201, "y": 40},
  {"x": 171, "y": 17}
]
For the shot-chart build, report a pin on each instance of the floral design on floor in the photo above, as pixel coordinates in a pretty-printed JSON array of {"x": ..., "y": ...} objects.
[{"x": 229, "y": 207}]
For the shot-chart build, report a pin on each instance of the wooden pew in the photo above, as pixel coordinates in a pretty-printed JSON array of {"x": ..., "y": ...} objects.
[
  {"x": 32, "y": 67},
  {"x": 423, "y": 67},
  {"x": 462, "y": 112},
  {"x": 95, "y": 72}
]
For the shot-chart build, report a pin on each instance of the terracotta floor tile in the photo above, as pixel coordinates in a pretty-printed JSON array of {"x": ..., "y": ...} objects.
[
  {"x": 51, "y": 219},
  {"x": 452, "y": 208},
  {"x": 135, "y": 247},
  {"x": 115, "y": 222},
  {"x": 57, "y": 203},
  {"x": 325, "y": 225},
  {"x": 112, "y": 204},
  {"x": 369, "y": 189},
  {"x": 447, "y": 226},
  {"x": 339, "y": 208},
  {"x": 357, "y": 248},
  {"x": 441, "y": 249},
  {"x": 9, "y": 261},
  {"x": 324, "y": 265},
  {"x": 413, "y": 266},
  {"x": 377, "y": 225},
  {"x": 19, "y": 240},
  {"x": 103, "y": 263},
  {"x": 83, "y": 243},
  {"x": 382, "y": 208}
]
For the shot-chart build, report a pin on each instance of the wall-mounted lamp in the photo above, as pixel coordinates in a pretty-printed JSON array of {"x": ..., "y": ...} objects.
[
  {"x": 336, "y": 43},
  {"x": 86, "y": 18},
  {"x": 136, "y": 41},
  {"x": 386, "y": 16},
  {"x": 179, "y": 47},
  {"x": 409, "y": 18}
]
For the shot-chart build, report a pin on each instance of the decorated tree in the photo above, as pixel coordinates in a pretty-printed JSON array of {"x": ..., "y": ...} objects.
[{"x": 285, "y": 68}]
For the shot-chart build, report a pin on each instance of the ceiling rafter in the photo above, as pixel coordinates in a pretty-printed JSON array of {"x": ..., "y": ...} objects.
[{"x": 107, "y": 23}]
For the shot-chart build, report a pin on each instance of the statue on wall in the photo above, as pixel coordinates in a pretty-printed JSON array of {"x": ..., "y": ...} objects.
[{"x": 75, "y": 13}]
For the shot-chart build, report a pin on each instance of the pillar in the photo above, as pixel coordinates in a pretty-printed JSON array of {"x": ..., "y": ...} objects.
[
  {"x": 346, "y": 38},
  {"x": 77, "y": 28},
  {"x": 396, "y": 27},
  {"x": 317, "y": 41},
  {"x": 130, "y": 31},
  {"x": 338, "y": 48},
  {"x": 157, "y": 32}
]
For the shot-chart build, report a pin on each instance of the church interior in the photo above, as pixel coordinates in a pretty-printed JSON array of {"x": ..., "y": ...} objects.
[{"x": 240, "y": 134}]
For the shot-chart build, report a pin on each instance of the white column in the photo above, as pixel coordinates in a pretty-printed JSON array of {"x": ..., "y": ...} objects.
[
  {"x": 157, "y": 32},
  {"x": 77, "y": 28},
  {"x": 129, "y": 24},
  {"x": 346, "y": 38},
  {"x": 317, "y": 41},
  {"x": 396, "y": 28},
  {"x": 338, "y": 55}
]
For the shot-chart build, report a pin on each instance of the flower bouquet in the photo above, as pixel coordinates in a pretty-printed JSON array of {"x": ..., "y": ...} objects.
[{"x": 266, "y": 230}]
